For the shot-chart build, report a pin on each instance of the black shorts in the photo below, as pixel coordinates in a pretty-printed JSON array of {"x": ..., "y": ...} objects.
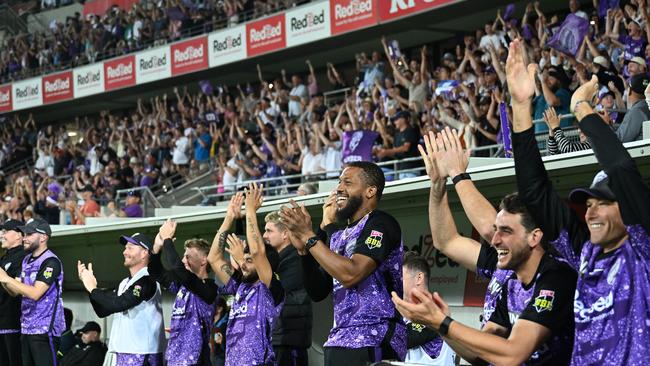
[{"x": 338, "y": 356}]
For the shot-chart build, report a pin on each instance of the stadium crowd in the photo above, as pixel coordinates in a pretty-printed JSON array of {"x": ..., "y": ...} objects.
[
  {"x": 94, "y": 37},
  {"x": 563, "y": 289},
  {"x": 282, "y": 126}
]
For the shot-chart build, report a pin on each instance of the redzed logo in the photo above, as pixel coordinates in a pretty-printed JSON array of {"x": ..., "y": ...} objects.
[
  {"x": 27, "y": 91},
  {"x": 352, "y": 14},
  {"x": 89, "y": 77},
  {"x": 266, "y": 35},
  {"x": 57, "y": 85},
  {"x": 5, "y": 98},
  {"x": 189, "y": 56},
  {"x": 119, "y": 73}
]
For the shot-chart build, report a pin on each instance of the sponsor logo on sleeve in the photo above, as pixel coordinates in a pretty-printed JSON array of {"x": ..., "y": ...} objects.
[
  {"x": 48, "y": 272},
  {"x": 417, "y": 327},
  {"x": 374, "y": 240},
  {"x": 544, "y": 301},
  {"x": 137, "y": 289}
]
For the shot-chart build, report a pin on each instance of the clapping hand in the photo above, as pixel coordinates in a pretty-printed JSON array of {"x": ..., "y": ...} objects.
[
  {"x": 521, "y": 78},
  {"x": 254, "y": 197},
  {"x": 236, "y": 249},
  {"x": 297, "y": 220},
  {"x": 87, "y": 276}
]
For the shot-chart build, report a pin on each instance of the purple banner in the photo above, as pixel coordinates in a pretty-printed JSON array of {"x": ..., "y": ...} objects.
[
  {"x": 604, "y": 5},
  {"x": 505, "y": 130},
  {"x": 568, "y": 38},
  {"x": 206, "y": 87},
  {"x": 357, "y": 145},
  {"x": 509, "y": 12}
]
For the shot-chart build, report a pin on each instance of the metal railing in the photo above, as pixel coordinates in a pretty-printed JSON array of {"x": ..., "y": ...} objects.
[{"x": 148, "y": 200}]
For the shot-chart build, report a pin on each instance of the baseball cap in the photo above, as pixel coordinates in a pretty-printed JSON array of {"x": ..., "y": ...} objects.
[
  {"x": 36, "y": 226},
  {"x": 137, "y": 239},
  {"x": 639, "y": 83},
  {"x": 398, "y": 115},
  {"x": 90, "y": 326},
  {"x": 12, "y": 224},
  {"x": 599, "y": 189},
  {"x": 133, "y": 193},
  {"x": 559, "y": 73},
  {"x": 602, "y": 61},
  {"x": 638, "y": 60}
]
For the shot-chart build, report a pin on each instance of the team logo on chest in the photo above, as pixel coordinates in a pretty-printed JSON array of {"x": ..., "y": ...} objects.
[
  {"x": 544, "y": 301},
  {"x": 374, "y": 240},
  {"x": 417, "y": 327}
]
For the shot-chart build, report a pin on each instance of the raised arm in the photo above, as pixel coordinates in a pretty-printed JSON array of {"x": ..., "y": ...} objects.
[
  {"x": 222, "y": 268},
  {"x": 253, "y": 237}
]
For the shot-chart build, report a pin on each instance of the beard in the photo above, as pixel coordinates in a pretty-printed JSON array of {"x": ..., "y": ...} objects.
[
  {"x": 250, "y": 278},
  {"x": 31, "y": 247},
  {"x": 346, "y": 212},
  {"x": 518, "y": 257}
]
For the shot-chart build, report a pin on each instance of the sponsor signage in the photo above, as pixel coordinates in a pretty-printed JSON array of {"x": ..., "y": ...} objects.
[
  {"x": 189, "y": 56},
  {"x": 119, "y": 73},
  {"x": 152, "y": 65},
  {"x": 58, "y": 87},
  {"x": 266, "y": 35},
  {"x": 88, "y": 80},
  {"x": 227, "y": 46},
  {"x": 348, "y": 15},
  {"x": 27, "y": 93},
  {"x": 393, "y": 9},
  {"x": 307, "y": 23},
  {"x": 6, "y": 104}
]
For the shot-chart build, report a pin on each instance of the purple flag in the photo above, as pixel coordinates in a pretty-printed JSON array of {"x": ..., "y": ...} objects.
[
  {"x": 510, "y": 10},
  {"x": 357, "y": 145},
  {"x": 527, "y": 32},
  {"x": 505, "y": 130},
  {"x": 206, "y": 87},
  {"x": 604, "y": 5},
  {"x": 568, "y": 38}
]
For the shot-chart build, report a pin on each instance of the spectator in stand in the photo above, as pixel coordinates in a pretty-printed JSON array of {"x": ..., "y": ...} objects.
[
  {"x": 553, "y": 93},
  {"x": 557, "y": 142},
  {"x": 637, "y": 110},
  {"x": 298, "y": 96},
  {"x": 132, "y": 207},
  {"x": 405, "y": 142}
]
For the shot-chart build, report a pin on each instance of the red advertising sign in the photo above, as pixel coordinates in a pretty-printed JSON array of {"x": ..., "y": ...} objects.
[
  {"x": 393, "y": 9},
  {"x": 99, "y": 7},
  {"x": 189, "y": 56},
  {"x": 266, "y": 35},
  {"x": 6, "y": 104},
  {"x": 475, "y": 288},
  {"x": 58, "y": 87},
  {"x": 348, "y": 15},
  {"x": 119, "y": 73}
]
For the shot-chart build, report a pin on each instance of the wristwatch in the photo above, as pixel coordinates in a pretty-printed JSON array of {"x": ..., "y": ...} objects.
[
  {"x": 444, "y": 326},
  {"x": 311, "y": 242}
]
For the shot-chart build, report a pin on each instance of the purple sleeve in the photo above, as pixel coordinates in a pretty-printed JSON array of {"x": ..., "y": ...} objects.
[
  {"x": 133, "y": 211},
  {"x": 230, "y": 288}
]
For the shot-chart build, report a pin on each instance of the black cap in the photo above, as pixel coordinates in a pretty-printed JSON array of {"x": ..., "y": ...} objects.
[
  {"x": 134, "y": 193},
  {"x": 559, "y": 73},
  {"x": 137, "y": 239},
  {"x": 12, "y": 224},
  {"x": 639, "y": 83},
  {"x": 599, "y": 189},
  {"x": 90, "y": 326},
  {"x": 36, "y": 226},
  {"x": 400, "y": 114},
  {"x": 88, "y": 188}
]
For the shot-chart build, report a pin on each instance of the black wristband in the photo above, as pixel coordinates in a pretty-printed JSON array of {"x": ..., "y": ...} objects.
[
  {"x": 444, "y": 326},
  {"x": 459, "y": 177}
]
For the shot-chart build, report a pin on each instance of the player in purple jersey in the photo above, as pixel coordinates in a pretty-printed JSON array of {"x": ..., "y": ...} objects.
[
  {"x": 40, "y": 285},
  {"x": 532, "y": 322},
  {"x": 425, "y": 345},
  {"x": 137, "y": 332},
  {"x": 452, "y": 162},
  {"x": 11, "y": 262},
  {"x": 250, "y": 278},
  {"x": 194, "y": 291},
  {"x": 360, "y": 267},
  {"x": 611, "y": 250}
]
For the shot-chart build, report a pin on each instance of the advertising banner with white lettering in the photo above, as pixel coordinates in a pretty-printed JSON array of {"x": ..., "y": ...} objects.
[
  {"x": 349, "y": 15},
  {"x": 189, "y": 56},
  {"x": 119, "y": 73},
  {"x": 152, "y": 65},
  {"x": 58, "y": 87},
  {"x": 226, "y": 46},
  {"x": 446, "y": 276},
  {"x": 6, "y": 104},
  {"x": 27, "y": 93},
  {"x": 307, "y": 23},
  {"x": 266, "y": 35},
  {"x": 88, "y": 80},
  {"x": 393, "y": 9}
]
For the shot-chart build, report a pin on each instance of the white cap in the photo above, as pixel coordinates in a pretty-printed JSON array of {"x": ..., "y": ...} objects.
[{"x": 602, "y": 61}]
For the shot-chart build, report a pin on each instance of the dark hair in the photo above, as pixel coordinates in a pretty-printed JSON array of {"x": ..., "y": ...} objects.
[
  {"x": 372, "y": 175},
  {"x": 67, "y": 314},
  {"x": 512, "y": 203},
  {"x": 417, "y": 263},
  {"x": 221, "y": 302}
]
